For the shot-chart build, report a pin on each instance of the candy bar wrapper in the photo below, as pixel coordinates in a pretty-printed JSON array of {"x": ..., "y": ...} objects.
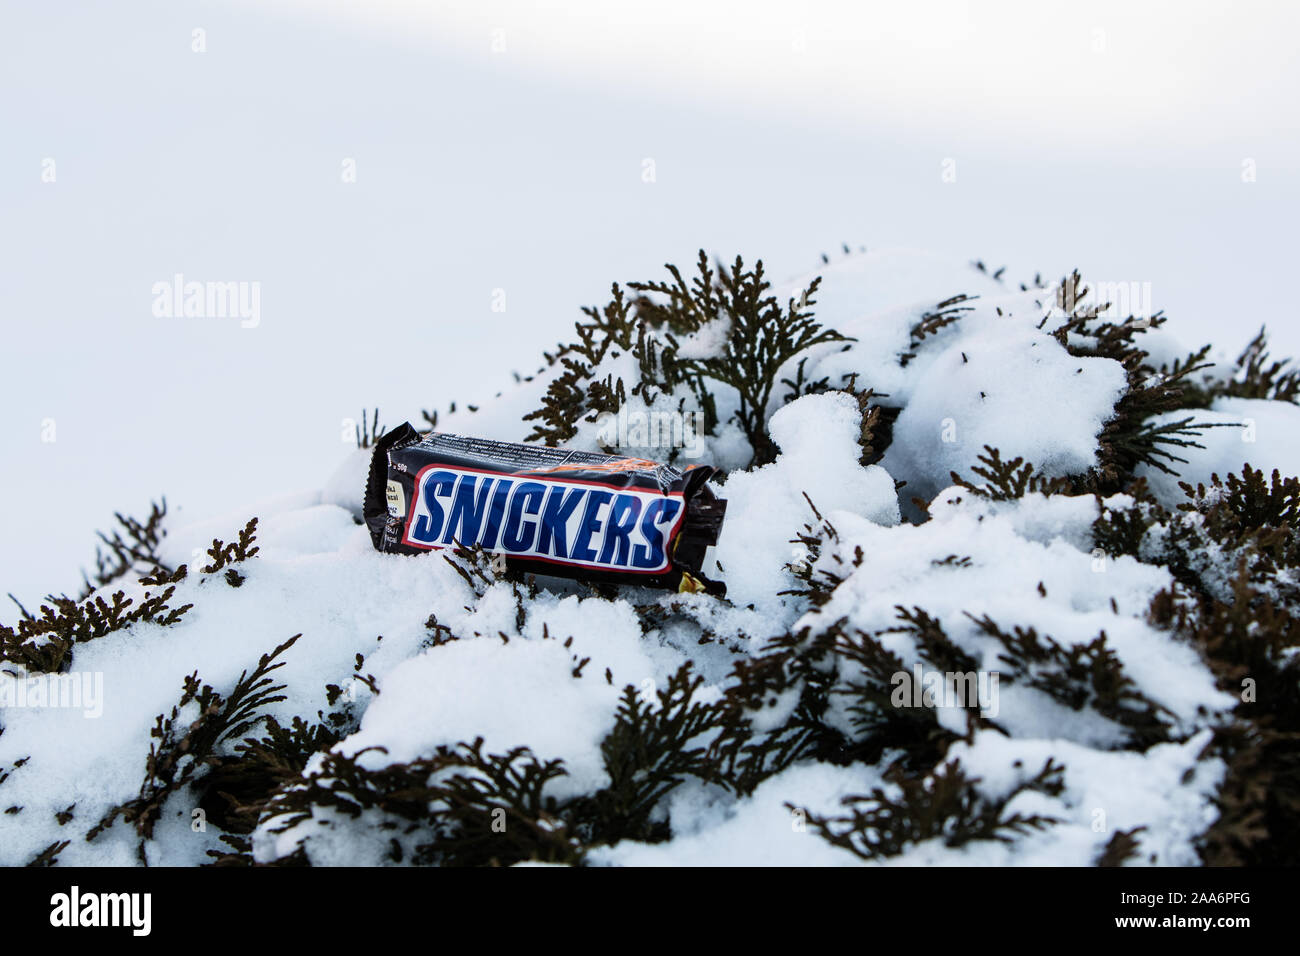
[{"x": 552, "y": 511}]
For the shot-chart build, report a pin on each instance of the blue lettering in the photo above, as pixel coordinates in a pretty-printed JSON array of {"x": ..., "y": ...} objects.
[
  {"x": 555, "y": 520},
  {"x": 426, "y": 528},
  {"x": 582, "y": 549},
  {"x": 622, "y": 519},
  {"x": 517, "y": 535},
  {"x": 467, "y": 510},
  {"x": 660, "y": 511},
  {"x": 496, "y": 512}
]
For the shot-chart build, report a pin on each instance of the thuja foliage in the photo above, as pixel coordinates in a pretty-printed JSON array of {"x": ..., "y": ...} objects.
[
  {"x": 370, "y": 431},
  {"x": 1080, "y": 675},
  {"x": 933, "y": 321},
  {"x": 1245, "y": 523},
  {"x": 50, "y": 855},
  {"x": 751, "y": 337},
  {"x": 574, "y": 392},
  {"x": 762, "y": 336},
  {"x": 132, "y": 548},
  {"x": 818, "y": 581},
  {"x": 1255, "y": 374},
  {"x": 1121, "y": 847},
  {"x": 1129, "y": 438},
  {"x": 244, "y": 778},
  {"x": 44, "y": 642},
  {"x": 1009, "y": 480},
  {"x": 944, "y": 805},
  {"x": 467, "y": 806},
  {"x": 186, "y": 744},
  {"x": 1253, "y": 647},
  {"x": 461, "y": 806},
  {"x": 758, "y": 337},
  {"x": 237, "y": 784},
  {"x": 1250, "y": 511},
  {"x": 1232, "y": 547},
  {"x": 224, "y": 555},
  {"x": 867, "y": 683},
  {"x": 779, "y": 701},
  {"x": 655, "y": 745}
]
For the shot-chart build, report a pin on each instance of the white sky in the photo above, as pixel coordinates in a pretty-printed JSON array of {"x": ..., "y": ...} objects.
[{"x": 1100, "y": 72}]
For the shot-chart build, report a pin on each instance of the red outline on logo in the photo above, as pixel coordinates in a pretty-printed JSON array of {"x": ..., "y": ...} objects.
[{"x": 419, "y": 490}]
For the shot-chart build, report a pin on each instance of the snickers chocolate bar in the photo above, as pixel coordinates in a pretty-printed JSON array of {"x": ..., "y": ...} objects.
[{"x": 548, "y": 511}]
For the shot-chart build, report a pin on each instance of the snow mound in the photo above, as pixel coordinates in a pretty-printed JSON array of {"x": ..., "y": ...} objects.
[{"x": 403, "y": 659}]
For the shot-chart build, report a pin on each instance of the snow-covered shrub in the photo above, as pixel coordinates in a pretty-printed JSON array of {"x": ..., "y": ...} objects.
[{"x": 1011, "y": 580}]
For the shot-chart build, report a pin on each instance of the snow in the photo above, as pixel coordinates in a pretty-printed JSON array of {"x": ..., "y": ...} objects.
[
  {"x": 817, "y": 435},
  {"x": 547, "y": 671},
  {"x": 1257, "y": 432},
  {"x": 1002, "y": 581},
  {"x": 994, "y": 378},
  {"x": 759, "y": 830},
  {"x": 440, "y": 698}
]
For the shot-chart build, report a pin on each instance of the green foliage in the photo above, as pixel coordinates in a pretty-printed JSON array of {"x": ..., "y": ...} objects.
[
  {"x": 236, "y": 786},
  {"x": 817, "y": 581},
  {"x": 463, "y": 806},
  {"x": 1254, "y": 376},
  {"x": 132, "y": 548},
  {"x": 1253, "y": 647},
  {"x": 760, "y": 337},
  {"x": 1129, "y": 438},
  {"x": 946, "y": 313},
  {"x": 1008, "y": 480},
  {"x": 877, "y": 428},
  {"x": 44, "y": 643},
  {"x": 573, "y": 394},
  {"x": 479, "y": 568},
  {"x": 369, "y": 432},
  {"x": 1121, "y": 527},
  {"x": 934, "y": 645},
  {"x": 1121, "y": 847},
  {"x": 459, "y": 807},
  {"x": 186, "y": 744},
  {"x": 1080, "y": 675},
  {"x": 867, "y": 681},
  {"x": 50, "y": 855},
  {"x": 1244, "y": 521},
  {"x": 877, "y": 423},
  {"x": 658, "y": 741},
  {"x": 1250, "y": 510},
  {"x": 822, "y": 690},
  {"x": 779, "y": 701},
  {"x": 944, "y": 805},
  {"x": 223, "y": 555},
  {"x": 1232, "y": 548}
]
